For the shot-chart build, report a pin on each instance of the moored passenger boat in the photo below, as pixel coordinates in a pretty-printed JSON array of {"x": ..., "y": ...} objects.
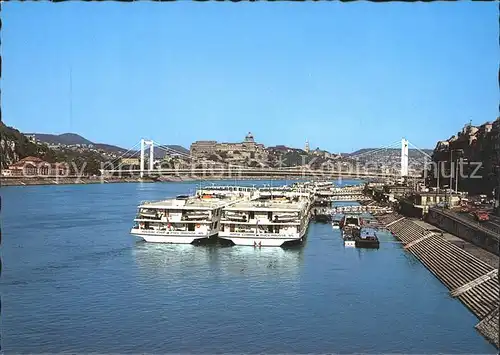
[
  {"x": 185, "y": 219},
  {"x": 268, "y": 221}
]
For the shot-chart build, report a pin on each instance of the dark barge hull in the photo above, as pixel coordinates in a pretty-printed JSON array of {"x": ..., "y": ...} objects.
[
  {"x": 322, "y": 218},
  {"x": 363, "y": 243}
]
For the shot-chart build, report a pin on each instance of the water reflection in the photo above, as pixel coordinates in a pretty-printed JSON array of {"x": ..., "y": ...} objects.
[
  {"x": 363, "y": 252},
  {"x": 261, "y": 262},
  {"x": 171, "y": 260}
]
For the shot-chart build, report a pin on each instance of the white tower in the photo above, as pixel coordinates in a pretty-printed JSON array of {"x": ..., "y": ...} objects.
[
  {"x": 151, "y": 156},
  {"x": 144, "y": 143},
  {"x": 404, "y": 157},
  {"x": 307, "y": 146}
]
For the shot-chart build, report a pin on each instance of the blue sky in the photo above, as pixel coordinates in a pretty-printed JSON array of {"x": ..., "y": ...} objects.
[{"x": 343, "y": 75}]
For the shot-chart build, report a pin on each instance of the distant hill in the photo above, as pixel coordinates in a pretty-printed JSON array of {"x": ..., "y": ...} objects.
[
  {"x": 66, "y": 138},
  {"x": 73, "y": 138},
  {"x": 15, "y": 146},
  {"x": 411, "y": 151},
  {"x": 177, "y": 148}
]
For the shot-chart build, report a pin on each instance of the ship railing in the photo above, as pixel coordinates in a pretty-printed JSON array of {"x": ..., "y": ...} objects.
[
  {"x": 173, "y": 232},
  {"x": 261, "y": 235},
  {"x": 149, "y": 218},
  {"x": 146, "y": 202}
]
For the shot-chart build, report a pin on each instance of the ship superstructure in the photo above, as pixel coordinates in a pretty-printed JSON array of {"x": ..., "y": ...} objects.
[
  {"x": 186, "y": 219},
  {"x": 275, "y": 218}
]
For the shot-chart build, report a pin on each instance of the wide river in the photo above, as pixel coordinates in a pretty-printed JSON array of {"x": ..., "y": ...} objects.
[{"x": 74, "y": 280}]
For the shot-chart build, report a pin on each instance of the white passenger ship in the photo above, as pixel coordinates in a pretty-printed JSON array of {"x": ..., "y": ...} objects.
[
  {"x": 185, "y": 219},
  {"x": 276, "y": 217}
]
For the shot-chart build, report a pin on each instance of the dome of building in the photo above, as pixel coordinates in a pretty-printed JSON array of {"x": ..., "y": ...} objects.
[{"x": 249, "y": 137}]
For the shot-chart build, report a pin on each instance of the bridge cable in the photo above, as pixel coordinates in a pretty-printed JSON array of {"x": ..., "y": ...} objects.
[
  {"x": 377, "y": 150},
  {"x": 419, "y": 150},
  {"x": 391, "y": 146},
  {"x": 121, "y": 156}
]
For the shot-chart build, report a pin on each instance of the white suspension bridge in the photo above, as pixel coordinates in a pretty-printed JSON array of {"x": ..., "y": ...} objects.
[{"x": 371, "y": 167}]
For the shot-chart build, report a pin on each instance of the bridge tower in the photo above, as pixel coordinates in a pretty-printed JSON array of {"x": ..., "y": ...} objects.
[
  {"x": 145, "y": 143},
  {"x": 404, "y": 157}
]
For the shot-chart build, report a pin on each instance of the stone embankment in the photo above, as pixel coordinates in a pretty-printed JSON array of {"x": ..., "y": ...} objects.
[
  {"x": 65, "y": 181},
  {"x": 99, "y": 180},
  {"x": 473, "y": 281}
]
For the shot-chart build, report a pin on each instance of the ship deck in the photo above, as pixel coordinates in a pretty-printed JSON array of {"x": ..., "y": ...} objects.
[
  {"x": 191, "y": 203},
  {"x": 271, "y": 205}
]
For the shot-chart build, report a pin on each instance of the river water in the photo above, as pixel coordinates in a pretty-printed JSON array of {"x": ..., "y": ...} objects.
[{"x": 74, "y": 280}]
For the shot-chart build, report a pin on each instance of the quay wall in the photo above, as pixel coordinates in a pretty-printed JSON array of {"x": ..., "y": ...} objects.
[
  {"x": 473, "y": 233},
  {"x": 65, "y": 181},
  {"x": 408, "y": 209},
  {"x": 465, "y": 275}
]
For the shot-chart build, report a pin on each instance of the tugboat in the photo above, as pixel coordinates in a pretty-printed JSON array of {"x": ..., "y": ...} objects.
[{"x": 367, "y": 239}]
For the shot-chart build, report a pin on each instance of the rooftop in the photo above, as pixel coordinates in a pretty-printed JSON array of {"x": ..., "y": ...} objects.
[
  {"x": 249, "y": 137},
  {"x": 189, "y": 203},
  {"x": 267, "y": 205}
]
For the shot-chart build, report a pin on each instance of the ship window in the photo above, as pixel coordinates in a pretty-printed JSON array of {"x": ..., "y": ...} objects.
[
  {"x": 191, "y": 227},
  {"x": 270, "y": 229},
  {"x": 231, "y": 228},
  {"x": 252, "y": 215},
  {"x": 270, "y": 216}
]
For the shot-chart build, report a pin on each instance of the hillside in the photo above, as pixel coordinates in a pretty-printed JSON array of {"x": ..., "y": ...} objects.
[
  {"x": 15, "y": 146},
  {"x": 65, "y": 138},
  {"x": 73, "y": 139}
]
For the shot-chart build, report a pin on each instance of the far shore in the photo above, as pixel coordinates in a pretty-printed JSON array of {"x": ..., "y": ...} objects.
[{"x": 34, "y": 181}]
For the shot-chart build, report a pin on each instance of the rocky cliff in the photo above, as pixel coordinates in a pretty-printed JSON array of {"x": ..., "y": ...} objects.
[{"x": 15, "y": 146}]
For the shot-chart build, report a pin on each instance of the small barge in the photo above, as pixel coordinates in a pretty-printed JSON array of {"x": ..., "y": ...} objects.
[
  {"x": 350, "y": 225},
  {"x": 367, "y": 239},
  {"x": 350, "y": 221},
  {"x": 349, "y": 236}
]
